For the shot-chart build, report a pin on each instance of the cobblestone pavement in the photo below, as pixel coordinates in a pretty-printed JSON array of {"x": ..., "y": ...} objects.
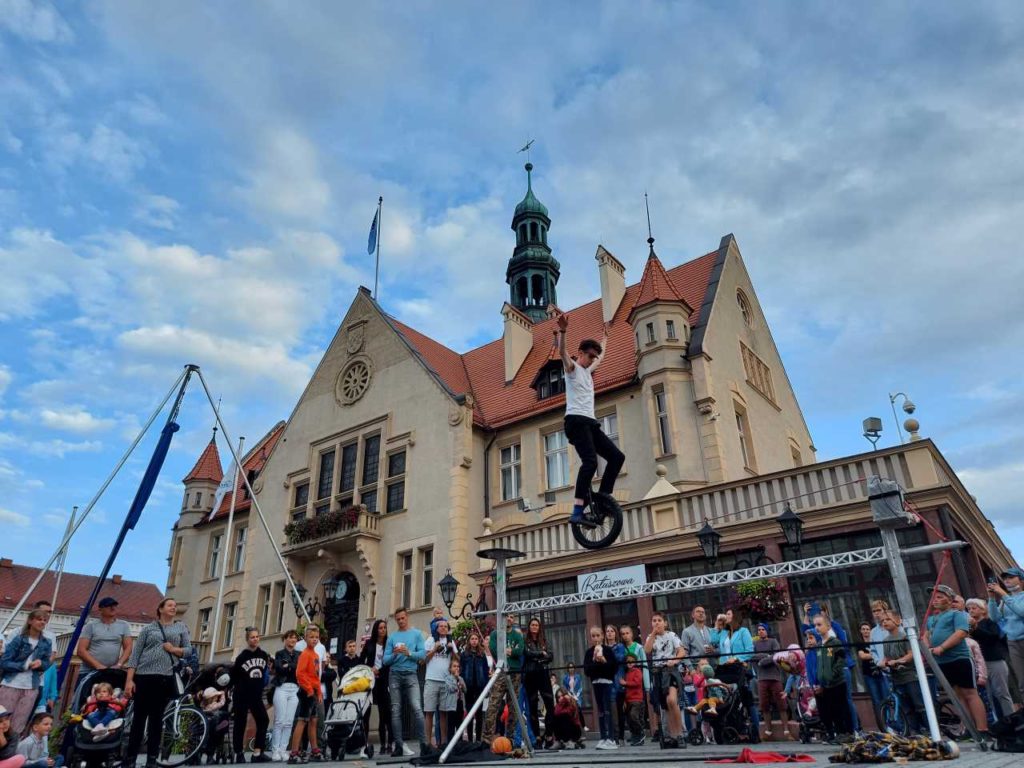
[{"x": 651, "y": 756}]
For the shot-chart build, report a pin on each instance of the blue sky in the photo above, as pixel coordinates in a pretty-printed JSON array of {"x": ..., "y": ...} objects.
[{"x": 187, "y": 182}]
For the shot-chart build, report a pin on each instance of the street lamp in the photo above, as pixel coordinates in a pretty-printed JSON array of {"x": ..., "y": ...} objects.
[
  {"x": 709, "y": 540},
  {"x": 331, "y": 590},
  {"x": 792, "y": 527},
  {"x": 911, "y": 424},
  {"x": 449, "y": 587},
  {"x": 297, "y": 601}
]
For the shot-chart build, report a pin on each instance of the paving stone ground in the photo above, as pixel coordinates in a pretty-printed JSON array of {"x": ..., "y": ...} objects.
[{"x": 651, "y": 756}]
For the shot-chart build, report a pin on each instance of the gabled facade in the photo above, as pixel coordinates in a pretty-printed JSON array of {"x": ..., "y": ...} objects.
[{"x": 401, "y": 452}]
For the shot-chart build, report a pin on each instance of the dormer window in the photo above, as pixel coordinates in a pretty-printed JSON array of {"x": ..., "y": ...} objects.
[{"x": 549, "y": 381}]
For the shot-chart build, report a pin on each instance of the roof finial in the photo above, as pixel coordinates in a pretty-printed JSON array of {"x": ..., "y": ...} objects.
[
  {"x": 216, "y": 415},
  {"x": 650, "y": 237}
]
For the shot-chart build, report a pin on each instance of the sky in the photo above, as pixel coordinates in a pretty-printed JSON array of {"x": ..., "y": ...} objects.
[{"x": 193, "y": 182}]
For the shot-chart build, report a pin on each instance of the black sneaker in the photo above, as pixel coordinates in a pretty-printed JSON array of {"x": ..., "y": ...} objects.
[
  {"x": 294, "y": 758},
  {"x": 425, "y": 749},
  {"x": 637, "y": 742},
  {"x": 262, "y": 757},
  {"x": 669, "y": 743},
  {"x": 396, "y": 751},
  {"x": 239, "y": 757}
]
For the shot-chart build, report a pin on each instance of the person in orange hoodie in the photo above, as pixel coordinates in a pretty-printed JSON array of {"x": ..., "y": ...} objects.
[{"x": 307, "y": 675}]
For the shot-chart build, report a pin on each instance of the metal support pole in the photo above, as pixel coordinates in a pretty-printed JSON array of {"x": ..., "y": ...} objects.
[
  {"x": 63, "y": 555},
  {"x": 500, "y": 557},
  {"x": 219, "y": 605},
  {"x": 906, "y": 603}
]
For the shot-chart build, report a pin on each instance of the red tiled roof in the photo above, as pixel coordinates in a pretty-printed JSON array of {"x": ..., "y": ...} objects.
[
  {"x": 654, "y": 285},
  {"x": 208, "y": 467},
  {"x": 137, "y": 600},
  {"x": 480, "y": 372},
  {"x": 255, "y": 459}
]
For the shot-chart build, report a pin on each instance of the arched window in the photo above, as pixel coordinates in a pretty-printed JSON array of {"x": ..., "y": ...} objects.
[
  {"x": 521, "y": 297},
  {"x": 543, "y": 234},
  {"x": 744, "y": 305},
  {"x": 537, "y": 291},
  {"x": 522, "y": 234},
  {"x": 533, "y": 231}
]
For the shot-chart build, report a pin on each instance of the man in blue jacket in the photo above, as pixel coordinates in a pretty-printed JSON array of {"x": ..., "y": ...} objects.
[
  {"x": 403, "y": 653},
  {"x": 1006, "y": 607}
]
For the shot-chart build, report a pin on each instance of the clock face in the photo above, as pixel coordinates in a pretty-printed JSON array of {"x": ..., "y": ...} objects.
[{"x": 341, "y": 590}]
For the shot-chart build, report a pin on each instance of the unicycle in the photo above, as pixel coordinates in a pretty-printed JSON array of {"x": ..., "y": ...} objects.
[{"x": 605, "y": 516}]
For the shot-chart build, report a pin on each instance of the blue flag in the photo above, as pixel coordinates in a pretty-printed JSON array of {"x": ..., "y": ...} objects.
[{"x": 371, "y": 243}]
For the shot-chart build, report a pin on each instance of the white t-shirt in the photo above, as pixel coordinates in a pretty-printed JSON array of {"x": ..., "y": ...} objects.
[
  {"x": 23, "y": 680},
  {"x": 378, "y": 657},
  {"x": 579, "y": 392},
  {"x": 665, "y": 648},
  {"x": 437, "y": 667}
]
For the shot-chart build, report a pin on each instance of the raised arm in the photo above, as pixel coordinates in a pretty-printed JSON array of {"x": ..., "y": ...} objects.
[
  {"x": 604, "y": 350},
  {"x": 563, "y": 324}
]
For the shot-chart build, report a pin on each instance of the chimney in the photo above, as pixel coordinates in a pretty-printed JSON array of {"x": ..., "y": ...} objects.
[
  {"x": 6, "y": 562},
  {"x": 613, "y": 282},
  {"x": 518, "y": 337},
  {"x": 115, "y": 579}
]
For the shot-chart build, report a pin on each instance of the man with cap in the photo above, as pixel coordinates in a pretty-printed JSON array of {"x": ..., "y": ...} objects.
[
  {"x": 1006, "y": 607},
  {"x": 105, "y": 643},
  {"x": 946, "y": 635}
]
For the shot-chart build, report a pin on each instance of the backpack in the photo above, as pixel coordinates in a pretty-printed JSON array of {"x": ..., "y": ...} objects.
[{"x": 1009, "y": 732}]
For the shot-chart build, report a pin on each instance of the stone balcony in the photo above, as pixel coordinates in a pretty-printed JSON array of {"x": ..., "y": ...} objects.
[
  {"x": 743, "y": 511},
  {"x": 337, "y": 531}
]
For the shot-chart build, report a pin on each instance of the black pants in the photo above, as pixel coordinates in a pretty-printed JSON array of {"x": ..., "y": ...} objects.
[
  {"x": 585, "y": 435},
  {"x": 152, "y": 692},
  {"x": 620, "y": 713},
  {"x": 834, "y": 709},
  {"x": 246, "y": 702},
  {"x": 539, "y": 684},
  {"x": 475, "y": 729},
  {"x": 382, "y": 698}
]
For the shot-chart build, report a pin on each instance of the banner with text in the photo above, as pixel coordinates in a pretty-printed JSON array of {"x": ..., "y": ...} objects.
[{"x": 629, "y": 576}]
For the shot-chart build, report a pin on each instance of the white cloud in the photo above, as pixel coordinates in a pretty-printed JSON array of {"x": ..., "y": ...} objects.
[
  {"x": 35, "y": 21},
  {"x": 157, "y": 211},
  {"x": 287, "y": 179},
  {"x": 998, "y": 489},
  {"x": 73, "y": 418},
  {"x": 14, "y": 518},
  {"x": 60, "y": 448}
]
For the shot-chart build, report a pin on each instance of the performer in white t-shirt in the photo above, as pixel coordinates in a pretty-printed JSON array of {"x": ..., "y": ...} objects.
[{"x": 582, "y": 430}]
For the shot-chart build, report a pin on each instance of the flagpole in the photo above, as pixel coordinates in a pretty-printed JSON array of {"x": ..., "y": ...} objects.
[
  {"x": 63, "y": 555},
  {"x": 227, "y": 554},
  {"x": 376, "y": 271}
]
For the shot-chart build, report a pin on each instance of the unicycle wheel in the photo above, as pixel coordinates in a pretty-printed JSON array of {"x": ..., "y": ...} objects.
[{"x": 605, "y": 516}]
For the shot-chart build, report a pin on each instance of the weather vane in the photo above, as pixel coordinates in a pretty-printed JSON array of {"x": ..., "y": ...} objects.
[{"x": 526, "y": 149}]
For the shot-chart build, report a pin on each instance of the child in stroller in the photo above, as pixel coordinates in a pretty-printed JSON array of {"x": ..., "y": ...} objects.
[
  {"x": 210, "y": 690},
  {"x": 799, "y": 692},
  {"x": 726, "y": 708},
  {"x": 103, "y": 713}
]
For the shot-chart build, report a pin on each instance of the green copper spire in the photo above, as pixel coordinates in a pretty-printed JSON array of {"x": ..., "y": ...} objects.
[
  {"x": 530, "y": 204},
  {"x": 532, "y": 271}
]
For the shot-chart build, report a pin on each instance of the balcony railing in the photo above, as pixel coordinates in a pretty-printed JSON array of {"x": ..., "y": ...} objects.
[
  {"x": 330, "y": 526},
  {"x": 829, "y": 484}
]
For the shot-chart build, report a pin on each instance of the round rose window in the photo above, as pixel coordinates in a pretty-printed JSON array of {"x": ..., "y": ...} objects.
[{"x": 354, "y": 381}]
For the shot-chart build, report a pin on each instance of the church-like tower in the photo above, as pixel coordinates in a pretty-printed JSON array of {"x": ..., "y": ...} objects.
[{"x": 532, "y": 272}]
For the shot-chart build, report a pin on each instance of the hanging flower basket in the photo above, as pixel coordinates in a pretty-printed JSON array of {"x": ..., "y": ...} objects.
[{"x": 763, "y": 600}]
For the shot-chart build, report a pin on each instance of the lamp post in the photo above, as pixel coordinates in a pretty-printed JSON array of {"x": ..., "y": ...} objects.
[
  {"x": 331, "y": 590},
  {"x": 449, "y": 588},
  {"x": 792, "y": 527},
  {"x": 312, "y": 605},
  {"x": 710, "y": 540},
  {"x": 911, "y": 424}
]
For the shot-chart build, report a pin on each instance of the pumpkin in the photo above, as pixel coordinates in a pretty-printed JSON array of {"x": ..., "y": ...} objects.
[{"x": 501, "y": 745}]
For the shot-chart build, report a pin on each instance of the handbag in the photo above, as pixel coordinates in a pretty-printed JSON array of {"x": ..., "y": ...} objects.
[{"x": 179, "y": 684}]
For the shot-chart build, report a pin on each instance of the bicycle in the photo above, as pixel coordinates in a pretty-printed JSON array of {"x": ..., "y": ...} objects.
[
  {"x": 603, "y": 522},
  {"x": 184, "y": 735},
  {"x": 895, "y": 720}
]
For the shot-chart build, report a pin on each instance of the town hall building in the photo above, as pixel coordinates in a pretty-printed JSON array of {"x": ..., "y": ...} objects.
[{"x": 402, "y": 458}]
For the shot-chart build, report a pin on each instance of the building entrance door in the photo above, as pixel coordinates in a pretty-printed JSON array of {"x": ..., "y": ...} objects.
[
  {"x": 619, "y": 613},
  {"x": 341, "y": 616}
]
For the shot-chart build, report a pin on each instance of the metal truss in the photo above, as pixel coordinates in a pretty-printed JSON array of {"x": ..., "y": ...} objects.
[{"x": 854, "y": 559}]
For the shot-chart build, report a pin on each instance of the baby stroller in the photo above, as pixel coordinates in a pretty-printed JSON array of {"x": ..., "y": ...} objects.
[
  {"x": 344, "y": 723},
  {"x": 81, "y": 745},
  {"x": 731, "y": 723},
  {"x": 214, "y": 679},
  {"x": 805, "y": 710}
]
